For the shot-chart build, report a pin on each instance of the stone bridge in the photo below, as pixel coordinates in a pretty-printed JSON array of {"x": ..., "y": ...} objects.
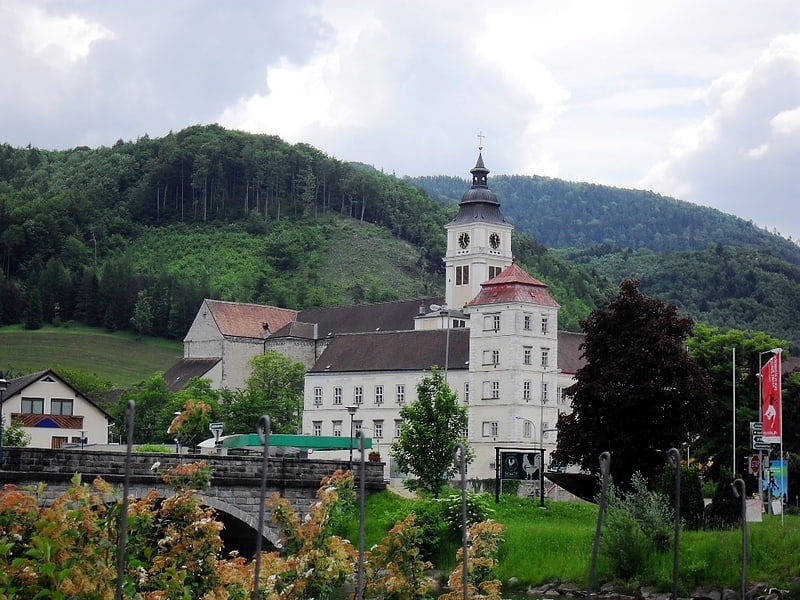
[{"x": 235, "y": 483}]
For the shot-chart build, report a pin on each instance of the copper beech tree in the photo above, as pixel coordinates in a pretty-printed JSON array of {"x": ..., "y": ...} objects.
[{"x": 639, "y": 392}]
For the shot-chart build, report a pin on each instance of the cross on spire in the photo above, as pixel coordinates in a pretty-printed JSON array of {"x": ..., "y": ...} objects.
[{"x": 480, "y": 141}]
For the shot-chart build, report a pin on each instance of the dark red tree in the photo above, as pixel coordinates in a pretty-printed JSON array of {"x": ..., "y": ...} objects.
[{"x": 639, "y": 393}]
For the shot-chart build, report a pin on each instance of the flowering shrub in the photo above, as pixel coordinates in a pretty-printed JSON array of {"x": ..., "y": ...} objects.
[
  {"x": 394, "y": 569},
  {"x": 68, "y": 550},
  {"x": 188, "y": 476},
  {"x": 483, "y": 543}
]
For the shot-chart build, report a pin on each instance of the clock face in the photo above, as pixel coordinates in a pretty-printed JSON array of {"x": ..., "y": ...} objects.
[
  {"x": 494, "y": 241},
  {"x": 463, "y": 240}
]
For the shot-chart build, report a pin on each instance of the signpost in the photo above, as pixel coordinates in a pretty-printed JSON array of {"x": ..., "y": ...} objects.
[
  {"x": 757, "y": 436},
  {"x": 216, "y": 429},
  {"x": 520, "y": 465}
]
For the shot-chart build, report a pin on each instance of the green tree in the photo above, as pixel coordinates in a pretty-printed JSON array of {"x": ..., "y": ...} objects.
[
  {"x": 432, "y": 427},
  {"x": 14, "y": 434},
  {"x": 274, "y": 388},
  {"x": 713, "y": 350},
  {"x": 142, "y": 319},
  {"x": 33, "y": 309},
  {"x": 190, "y": 427},
  {"x": 88, "y": 384},
  {"x": 638, "y": 394},
  {"x": 153, "y": 413}
]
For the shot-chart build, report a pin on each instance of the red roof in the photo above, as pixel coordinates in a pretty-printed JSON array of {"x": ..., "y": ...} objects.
[
  {"x": 513, "y": 285},
  {"x": 247, "y": 320}
]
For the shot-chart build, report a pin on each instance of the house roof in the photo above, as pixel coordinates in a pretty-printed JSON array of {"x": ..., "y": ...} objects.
[
  {"x": 248, "y": 320},
  {"x": 182, "y": 371},
  {"x": 297, "y": 329},
  {"x": 395, "y": 350},
  {"x": 382, "y": 316},
  {"x": 18, "y": 384},
  {"x": 570, "y": 354},
  {"x": 513, "y": 284}
]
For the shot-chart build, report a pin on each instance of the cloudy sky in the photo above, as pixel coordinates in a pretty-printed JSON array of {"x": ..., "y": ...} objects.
[{"x": 697, "y": 99}]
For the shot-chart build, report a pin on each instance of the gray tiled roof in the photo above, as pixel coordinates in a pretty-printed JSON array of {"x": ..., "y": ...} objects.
[
  {"x": 396, "y": 351},
  {"x": 182, "y": 371},
  {"x": 382, "y": 316}
]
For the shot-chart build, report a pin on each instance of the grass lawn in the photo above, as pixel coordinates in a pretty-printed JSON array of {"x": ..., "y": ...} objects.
[
  {"x": 555, "y": 545},
  {"x": 121, "y": 358}
]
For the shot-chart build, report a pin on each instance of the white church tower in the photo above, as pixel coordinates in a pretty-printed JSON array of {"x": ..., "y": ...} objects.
[{"x": 478, "y": 241}]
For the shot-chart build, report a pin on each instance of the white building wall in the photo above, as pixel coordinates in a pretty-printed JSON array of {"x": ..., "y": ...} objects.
[
  {"x": 323, "y": 410},
  {"x": 299, "y": 350},
  {"x": 237, "y": 354},
  {"x": 499, "y": 365},
  {"x": 204, "y": 339}
]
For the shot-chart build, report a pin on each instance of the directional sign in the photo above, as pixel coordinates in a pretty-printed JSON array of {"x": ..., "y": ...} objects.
[
  {"x": 756, "y": 433},
  {"x": 216, "y": 426}
]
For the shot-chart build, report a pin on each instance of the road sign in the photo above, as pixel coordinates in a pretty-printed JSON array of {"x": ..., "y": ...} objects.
[
  {"x": 755, "y": 464},
  {"x": 756, "y": 433},
  {"x": 216, "y": 426}
]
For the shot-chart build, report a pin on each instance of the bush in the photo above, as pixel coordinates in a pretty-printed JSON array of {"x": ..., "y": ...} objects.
[
  {"x": 638, "y": 525},
  {"x": 624, "y": 545},
  {"x": 725, "y": 509},
  {"x": 155, "y": 448},
  {"x": 692, "y": 505},
  {"x": 434, "y": 531},
  {"x": 651, "y": 510},
  {"x": 477, "y": 511}
]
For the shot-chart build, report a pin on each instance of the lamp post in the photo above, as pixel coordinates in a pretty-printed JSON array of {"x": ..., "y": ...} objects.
[
  {"x": 351, "y": 411},
  {"x": 442, "y": 308},
  {"x": 543, "y": 399},
  {"x": 3, "y": 386}
]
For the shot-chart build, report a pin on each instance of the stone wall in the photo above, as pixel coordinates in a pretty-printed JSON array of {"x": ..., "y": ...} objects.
[{"x": 235, "y": 482}]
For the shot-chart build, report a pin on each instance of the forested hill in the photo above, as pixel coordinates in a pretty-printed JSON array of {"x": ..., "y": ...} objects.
[
  {"x": 564, "y": 214},
  {"x": 134, "y": 236}
]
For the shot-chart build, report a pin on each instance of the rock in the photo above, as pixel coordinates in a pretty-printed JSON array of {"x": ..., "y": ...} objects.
[
  {"x": 729, "y": 594},
  {"x": 568, "y": 589},
  {"x": 541, "y": 591}
]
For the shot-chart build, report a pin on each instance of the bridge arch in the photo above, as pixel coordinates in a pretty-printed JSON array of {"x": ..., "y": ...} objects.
[{"x": 240, "y": 527}]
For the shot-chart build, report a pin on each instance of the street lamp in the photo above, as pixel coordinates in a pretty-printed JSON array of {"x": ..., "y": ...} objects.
[
  {"x": 3, "y": 386},
  {"x": 541, "y": 429},
  {"x": 442, "y": 308},
  {"x": 351, "y": 411}
]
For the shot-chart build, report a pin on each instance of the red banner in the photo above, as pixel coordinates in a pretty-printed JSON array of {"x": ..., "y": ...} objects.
[{"x": 771, "y": 399}]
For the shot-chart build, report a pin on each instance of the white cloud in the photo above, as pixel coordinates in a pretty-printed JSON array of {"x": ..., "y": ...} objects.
[
  {"x": 742, "y": 156},
  {"x": 297, "y": 98},
  {"x": 58, "y": 41}
]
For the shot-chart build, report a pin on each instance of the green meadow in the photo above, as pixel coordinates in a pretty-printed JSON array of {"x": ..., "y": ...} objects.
[
  {"x": 555, "y": 545},
  {"x": 121, "y": 358}
]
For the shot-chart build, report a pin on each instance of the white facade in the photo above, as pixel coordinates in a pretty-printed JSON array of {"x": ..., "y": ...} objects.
[
  {"x": 53, "y": 413},
  {"x": 514, "y": 383},
  {"x": 378, "y": 396}
]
